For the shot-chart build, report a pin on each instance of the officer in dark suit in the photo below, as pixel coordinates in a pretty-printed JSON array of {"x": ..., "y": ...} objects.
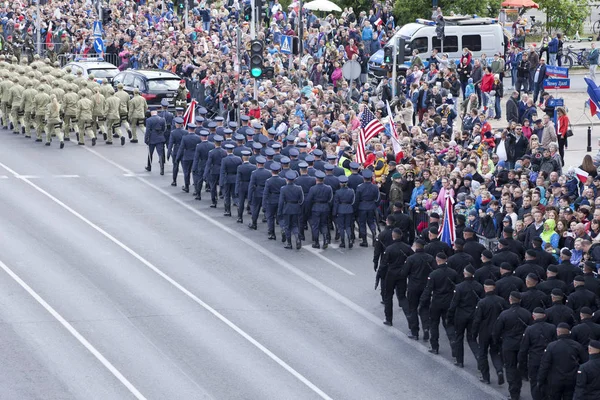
[
  {"x": 289, "y": 209},
  {"x": 487, "y": 312},
  {"x": 276, "y": 146},
  {"x": 271, "y": 198},
  {"x": 459, "y": 260},
  {"x": 294, "y": 160},
  {"x": 256, "y": 189},
  {"x": 285, "y": 166},
  {"x": 168, "y": 116},
  {"x": 367, "y": 199},
  {"x": 534, "y": 343},
  {"x": 552, "y": 282},
  {"x": 212, "y": 171},
  {"x": 559, "y": 312},
  {"x": 305, "y": 181},
  {"x": 508, "y": 282},
  {"x": 318, "y": 164},
  {"x": 173, "y": 148},
  {"x": 461, "y": 313},
  {"x": 343, "y": 210},
  {"x": 239, "y": 145},
  {"x": 242, "y": 182},
  {"x": 256, "y": 148},
  {"x": 588, "y": 384},
  {"x": 581, "y": 297},
  {"x": 155, "y": 139},
  {"x": 515, "y": 245},
  {"x": 533, "y": 297},
  {"x": 333, "y": 182},
  {"x": 227, "y": 176},
  {"x": 505, "y": 254},
  {"x": 472, "y": 246},
  {"x": 509, "y": 330},
  {"x": 487, "y": 269},
  {"x": 567, "y": 271},
  {"x": 186, "y": 152},
  {"x": 392, "y": 261},
  {"x": 337, "y": 171},
  {"x": 289, "y": 144},
  {"x": 587, "y": 330},
  {"x": 200, "y": 159},
  {"x": 417, "y": 269},
  {"x": 438, "y": 293},
  {"x": 530, "y": 266},
  {"x": 318, "y": 204},
  {"x": 435, "y": 245}
]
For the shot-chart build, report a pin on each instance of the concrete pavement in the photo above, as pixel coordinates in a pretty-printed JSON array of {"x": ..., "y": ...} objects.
[{"x": 183, "y": 302}]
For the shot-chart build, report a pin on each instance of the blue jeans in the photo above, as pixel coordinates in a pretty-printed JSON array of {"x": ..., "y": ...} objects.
[
  {"x": 206, "y": 26},
  {"x": 498, "y": 107},
  {"x": 536, "y": 91},
  {"x": 513, "y": 76}
]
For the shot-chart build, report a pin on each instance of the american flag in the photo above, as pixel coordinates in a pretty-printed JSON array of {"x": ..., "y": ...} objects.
[
  {"x": 448, "y": 228},
  {"x": 370, "y": 127}
]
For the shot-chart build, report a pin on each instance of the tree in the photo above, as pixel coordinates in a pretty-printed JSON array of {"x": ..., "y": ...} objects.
[
  {"x": 409, "y": 11},
  {"x": 468, "y": 7},
  {"x": 566, "y": 16}
]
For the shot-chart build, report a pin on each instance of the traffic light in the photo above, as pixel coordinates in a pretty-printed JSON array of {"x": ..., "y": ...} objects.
[
  {"x": 269, "y": 72},
  {"x": 401, "y": 47},
  {"x": 247, "y": 13},
  {"x": 440, "y": 27},
  {"x": 256, "y": 58},
  {"x": 388, "y": 55},
  {"x": 180, "y": 4}
]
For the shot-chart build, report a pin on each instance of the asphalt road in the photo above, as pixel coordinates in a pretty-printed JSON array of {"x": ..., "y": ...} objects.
[{"x": 115, "y": 285}]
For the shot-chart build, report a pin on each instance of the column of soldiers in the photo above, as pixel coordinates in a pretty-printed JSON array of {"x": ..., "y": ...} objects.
[
  {"x": 54, "y": 103},
  {"x": 537, "y": 319}
]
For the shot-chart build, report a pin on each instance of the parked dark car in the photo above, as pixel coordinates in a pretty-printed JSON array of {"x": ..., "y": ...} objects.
[{"x": 154, "y": 85}]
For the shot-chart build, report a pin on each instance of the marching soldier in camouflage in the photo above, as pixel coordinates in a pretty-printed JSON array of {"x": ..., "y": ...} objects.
[
  {"x": 85, "y": 108},
  {"x": 80, "y": 80},
  {"x": 124, "y": 109},
  {"x": 99, "y": 113},
  {"x": 69, "y": 108},
  {"x": 28, "y": 106},
  {"x": 4, "y": 98},
  {"x": 41, "y": 101},
  {"x": 113, "y": 118},
  {"x": 54, "y": 122},
  {"x": 137, "y": 114},
  {"x": 15, "y": 98},
  {"x": 106, "y": 89}
]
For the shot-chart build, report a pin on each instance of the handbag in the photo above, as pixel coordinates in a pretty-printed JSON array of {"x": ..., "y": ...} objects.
[{"x": 569, "y": 132}]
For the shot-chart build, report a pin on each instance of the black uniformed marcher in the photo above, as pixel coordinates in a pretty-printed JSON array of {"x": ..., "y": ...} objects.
[
  {"x": 530, "y": 266},
  {"x": 559, "y": 312},
  {"x": 472, "y": 246},
  {"x": 515, "y": 245},
  {"x": 305, "y": 181},
  {"x": 242, "y": 183},
  {"x": 404, "y": 222},
  {"x": 155, "y": 139},
  {"x": 392, "y": 262},
  {"x": 256, "y": 189},
  {"x": 289, "y": 209},
  {"x": 270, "y": 201},
  {"x": 459, "y": 260},
  {"x": 508, "y": 282},
  {"x": 487, "y": 270},
  {"x": 552, "y": 282},
  {"x": 212, "y": 170},
  {"x": 509, "y": 330},
  {"x": 417, "y": 269},
  {"x": 185, "y": 155},
  {"x": 533, "y": 297},
  {"x": 367, "y": 199},
  {"x": 227, "y": 176},
  {"x": 488, "y": 310},
  {"x": 384, "y": 238},
  {"x": 558, "y": 370},
  {"x": 581, "y": 297},
  {"x": 588, "y": 385},
  {"x": 587, "y": 330},
  {"x": 435, "y": 245},
  {"x": 343, "y": 211},
  {"x": 318, "y": 205},
  {"x": 199, "y": 165},
  {"x": 590, "y": 279},
  {"x": 439, "y": 292},
  {"x": 173, "y": 148},
  {"x": 505, "y": 254},
  {"x": 461, "y": 314},
  {"x": 567, "y": 271},
  {"x": 536, "y": 338}
]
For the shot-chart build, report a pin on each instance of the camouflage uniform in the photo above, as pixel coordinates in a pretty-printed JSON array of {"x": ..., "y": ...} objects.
[
  {"x": 113, "y": 104},
  {"x": 41, "y": 101},
  {"x": 99, "y": 112},
  {"x": 15, "y": 99},
  {"x": 70, "y": 110},
  {"x": 54, "y": 122},
  {"x": 124, "y": 108},
  {"x": 137, "y": 114},
  {"x": 28, "y": 106},
  {"x": 84, "y": 117}
]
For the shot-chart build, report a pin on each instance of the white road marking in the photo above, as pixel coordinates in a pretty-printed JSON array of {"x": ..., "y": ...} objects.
[
  {"x": 26, "y": 176},
  {"x": 316, "y": 283},
  {"x": 3, "y": 176},
  {"x": 327, "y": 260},
  {"x": 133, "y": 175},
  {"x": 73, "y": 332},
  {"x": 65, "y": 176},
  {"x": 178, "y": 286}
]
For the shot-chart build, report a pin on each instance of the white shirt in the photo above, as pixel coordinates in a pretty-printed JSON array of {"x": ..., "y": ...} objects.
[{"x": 501, "y": 151}]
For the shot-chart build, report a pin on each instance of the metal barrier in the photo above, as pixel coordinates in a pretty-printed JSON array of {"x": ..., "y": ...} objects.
[
  {"x": 64, "y": 59},
  {"x": 490, "y": 244}
]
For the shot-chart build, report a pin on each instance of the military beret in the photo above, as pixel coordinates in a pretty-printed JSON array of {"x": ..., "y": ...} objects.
[
  {"x": 191, "y": 125},
  {"x": 260, "y": 160},
  {"x": 503, "y": 242},
  {"x": 232, "y": 124},
  {"x": 579, "y": 278},
  {"x": 354, "y": 165},
  {"x": 275, "y": 166},
  {"x": 164, "y": 103},
  {"x": 294, "y": 153},
  {"x": 290, "y": 175},
  {"x": 515, "y": 295},
  {"x": 566, "y": 252},
  {"x": 343, "y": 179},
  {"x": 433, "y": 230},
  {"x": 239, "y": 137},
  {"x": 229, "y": 146},
  {"x": 317, "y": 152},
  {"x": 367, "y": 174},
  {"x": 468, "y": 229},
  {"x": 552, "y": 268},
  {"x": 309, "y": 159},
  {"x": 328, "y": 167},
  {"x": 506, "y": 266},
  {"x": 489, "y": 282},
  {"x": 470, "y": 269},
  {"x": 434, "y": 215},
  {"x": 563, "y": 325},
  {"x": 539, "y": 310},
  {"x": 246, "y": 153},
  {"x": 218, "y": 138},
  {"x": 508, "y": 230},
  {"x": 537, "y": 239},
  {"x": 319, "y": 174},
  {"x": 303, "y": 164},
  {"x": 397, "y": 231},
  {"x": 257, "y": 146},
  {"x": 441, "y": 255},
  {"x": 245, "y": 118},
  {"x": 421, "y": 242},
  {"x": 269, "y": 152},
  {"x": 595, "y": 344},
  {"x": 586, "y": 311},
  {"x": 533, "y": 277},
  {"x": 459, "y": 241},
  {"x": 557, "y": 292},
  {"x": 178, "y": 120},
  {"x": 531, "y": 253},
  {"x": 276, "y": 146},
  {"x": 396, "y": 175},
  {"x": 487, "y": 254},
  {"x": 285, "y": 160}
]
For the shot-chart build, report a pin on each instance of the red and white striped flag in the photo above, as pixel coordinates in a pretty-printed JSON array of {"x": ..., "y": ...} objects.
[
  {"x": 49, "y": 34},
  {"x": 370, "y": 127},
  {"x": 581, "y": 175},
  {"x": 190, "y": 114}
]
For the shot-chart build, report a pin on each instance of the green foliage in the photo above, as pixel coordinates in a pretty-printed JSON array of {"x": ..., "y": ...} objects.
[
  {"x": 566, "y": 16},
  {"x": 409, "y": 11},
  {"x": 468, "y": 7}
]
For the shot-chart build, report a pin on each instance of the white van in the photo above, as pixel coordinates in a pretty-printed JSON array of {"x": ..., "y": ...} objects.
[{"x": 480, "y": 35}]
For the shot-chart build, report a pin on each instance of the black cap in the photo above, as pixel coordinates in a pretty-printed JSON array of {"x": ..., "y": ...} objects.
[
  {"x": 508, "y": 230},
  {"x": 557, "y": 292},
  {"x": 595, "y": 344},
  {"x": 586, "y": 311},
  {"x": 537, "y": 239},
  {"x": 459, "y": 241},
  {"x": 579, "y": 278},
  {"x": 487, "y": 254},
  {"x": 434, "y": 230},
  {"x": 539, "y": 310},
  {"x": 533, "y": 277},
  {"x": 441, "y": 256},
  {"x": 563, "y": 325},
  {"x": 489, "y": 282},
  {"x": 503, "y": 242},
  {"x": 421, "y": 242},
  {"x": 397, "y": 231},
  {"x": 565, "y": 252},
  {"x": 468, "y": 229},
  {"x": 506, "y": 266},
  {"x": 515, "y": 295},
  {"x": 434, "y": 215},
  {"x": 470, "y": 269},
  {"x": 531, "y": 253},
  {"x": 552, "y": 268}
]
